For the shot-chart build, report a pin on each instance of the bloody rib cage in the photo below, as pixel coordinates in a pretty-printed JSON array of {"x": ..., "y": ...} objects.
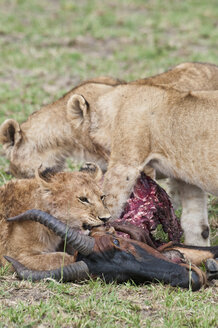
[
  {"x": 118, "y": 259},
  {"x": 150, "y": 206}
]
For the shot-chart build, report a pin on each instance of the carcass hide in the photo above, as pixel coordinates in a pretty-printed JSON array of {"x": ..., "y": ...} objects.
[{"x": 119, "y": 259}]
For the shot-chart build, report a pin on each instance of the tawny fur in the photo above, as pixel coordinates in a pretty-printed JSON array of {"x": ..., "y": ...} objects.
[
  {"x": 32, "y": 243},
  {"x": 153, "y": 121}
]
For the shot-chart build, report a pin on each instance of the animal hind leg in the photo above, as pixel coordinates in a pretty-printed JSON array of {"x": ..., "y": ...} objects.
[{"x": 191, "y": 254}]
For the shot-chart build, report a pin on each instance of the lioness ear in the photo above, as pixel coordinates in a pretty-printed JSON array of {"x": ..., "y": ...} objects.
[
  {"x": 10, "y": 133},
  {"x": 92, "y": 169},
  {"x": 77, "y": 108},
  {"x": 44, "y": 177}
]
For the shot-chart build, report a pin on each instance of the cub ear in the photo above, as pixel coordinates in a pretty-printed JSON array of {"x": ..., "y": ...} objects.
[
  {"x": 92, "y": 169},
  {"x": 10, "y": 133},
  {"x": 44, "y": 177},
  {"x": 77, "y": 108}
]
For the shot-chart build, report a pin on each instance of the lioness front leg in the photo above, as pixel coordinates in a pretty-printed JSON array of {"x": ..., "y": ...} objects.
[
  {"x": 45, "y": 261},
  {"x": 118, "y": 185},
  {"x": 194, "y": 219},
  {"x": 129, "y": 156}
]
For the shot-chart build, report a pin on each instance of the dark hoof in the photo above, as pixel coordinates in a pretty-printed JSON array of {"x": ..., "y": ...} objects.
[{"x": 212, "y": 269}]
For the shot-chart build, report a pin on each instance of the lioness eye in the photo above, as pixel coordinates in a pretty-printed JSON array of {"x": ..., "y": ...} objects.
[
  {"x": 84, "y": 199},
  {"x": 103, "y": 197}
]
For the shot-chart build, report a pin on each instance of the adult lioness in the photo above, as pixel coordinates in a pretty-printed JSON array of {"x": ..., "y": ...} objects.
[
  {"x": 176, "y": 133},
  {"x": 74, "y": 197},
  {"x": 81, "y": 124}
]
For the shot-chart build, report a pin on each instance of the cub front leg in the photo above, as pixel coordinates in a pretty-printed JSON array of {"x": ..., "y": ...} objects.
[{"x": 118, "y": 185}]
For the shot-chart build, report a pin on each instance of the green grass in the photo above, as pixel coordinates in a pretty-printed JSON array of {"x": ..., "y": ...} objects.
[
  {"x": 46, "y": 48},
  {"x": 96, "y": 304}
]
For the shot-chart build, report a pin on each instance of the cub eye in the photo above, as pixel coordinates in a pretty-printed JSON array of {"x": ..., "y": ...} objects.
[
  {"x": 116, "y": 242},
  {"x": 84, "y": 200},
  {"x": 103, "y": 197}
]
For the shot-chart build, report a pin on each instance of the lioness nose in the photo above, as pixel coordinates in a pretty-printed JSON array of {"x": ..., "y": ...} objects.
[{"x": 104, "y": 218}]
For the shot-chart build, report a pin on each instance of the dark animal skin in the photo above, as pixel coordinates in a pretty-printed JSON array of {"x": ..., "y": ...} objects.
[{"x": 114, "y": 258}]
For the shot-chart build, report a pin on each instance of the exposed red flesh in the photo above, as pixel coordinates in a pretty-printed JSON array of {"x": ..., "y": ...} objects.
[{"x": 148, "y": 206}]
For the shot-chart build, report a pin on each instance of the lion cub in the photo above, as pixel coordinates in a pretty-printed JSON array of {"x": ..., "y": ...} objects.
[
  {"x": 73, "y": 197},
  {"x": 103, "y": 119}
]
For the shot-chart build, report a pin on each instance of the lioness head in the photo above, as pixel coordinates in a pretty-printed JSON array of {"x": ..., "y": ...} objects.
[
  {"x": 48, "y": 138},
  {"x": 24, "y": 154},
  {"x": 73, "y": 197},
  {"x": 55, "y": 132}
]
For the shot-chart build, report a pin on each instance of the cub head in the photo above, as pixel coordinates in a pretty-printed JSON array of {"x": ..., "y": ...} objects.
[{"x": 73, "y": 197}]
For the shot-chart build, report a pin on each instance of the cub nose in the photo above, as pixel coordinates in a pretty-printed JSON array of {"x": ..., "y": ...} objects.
[{"x": 104, "y": 218}]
